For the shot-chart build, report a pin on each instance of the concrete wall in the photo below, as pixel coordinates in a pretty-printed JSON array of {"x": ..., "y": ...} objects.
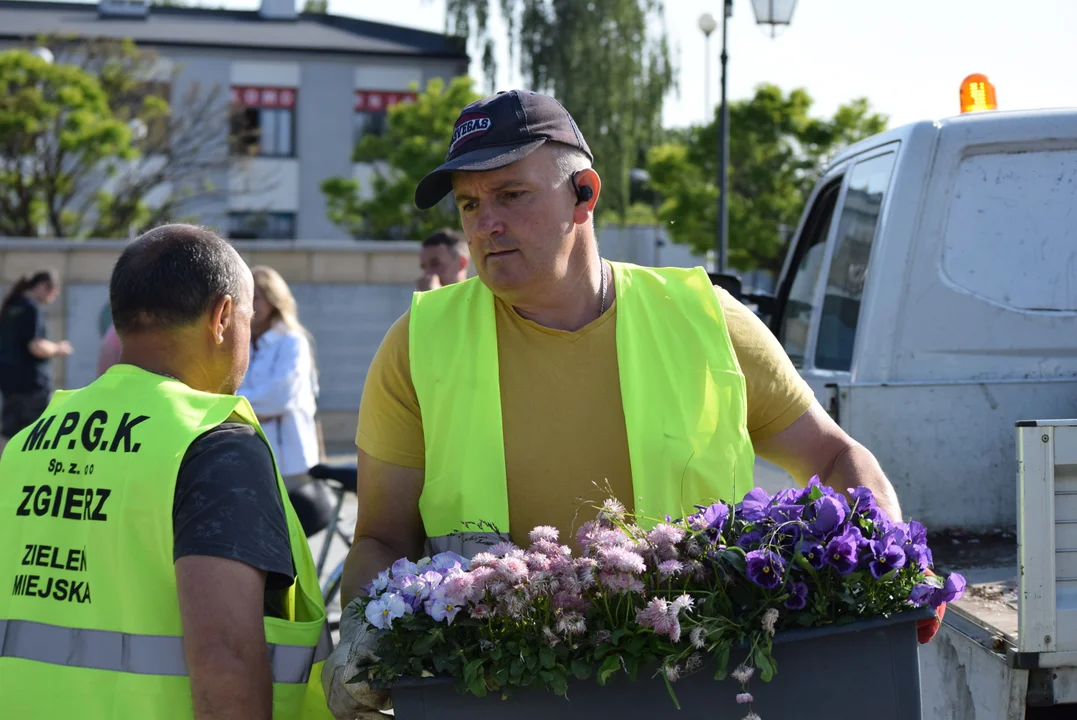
[{"x": 348, "y": 294}]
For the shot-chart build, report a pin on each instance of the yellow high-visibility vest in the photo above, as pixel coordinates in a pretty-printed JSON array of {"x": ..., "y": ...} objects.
[
  {"x": 89, "y": 619},
  {"x": 681, "y": 386}
]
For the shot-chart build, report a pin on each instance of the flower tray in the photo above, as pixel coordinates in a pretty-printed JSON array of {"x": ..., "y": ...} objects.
[{"x": 816, "y": 669}]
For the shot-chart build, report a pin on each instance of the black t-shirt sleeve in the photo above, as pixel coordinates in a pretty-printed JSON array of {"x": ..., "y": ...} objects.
[{"x": 227, "y": 504}]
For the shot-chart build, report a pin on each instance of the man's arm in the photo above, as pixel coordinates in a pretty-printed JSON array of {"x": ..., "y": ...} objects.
[
  {"x": 815, "y": 445},
  {"x": 388, "y": 527},
  {"x": 224, "y": 639}
]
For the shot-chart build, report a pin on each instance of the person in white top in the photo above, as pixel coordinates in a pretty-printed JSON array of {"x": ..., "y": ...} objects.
[{"x": 282, "y": 381}]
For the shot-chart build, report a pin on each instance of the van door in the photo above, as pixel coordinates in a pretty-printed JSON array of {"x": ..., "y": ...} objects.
[{"x": 822, "y": 287}]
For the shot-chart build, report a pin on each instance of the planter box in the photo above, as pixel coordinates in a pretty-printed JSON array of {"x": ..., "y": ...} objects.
[{"x": 869, "y": 668}]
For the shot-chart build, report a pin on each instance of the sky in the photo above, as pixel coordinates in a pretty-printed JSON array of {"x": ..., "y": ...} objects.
[{"x": 908, "y": 57}]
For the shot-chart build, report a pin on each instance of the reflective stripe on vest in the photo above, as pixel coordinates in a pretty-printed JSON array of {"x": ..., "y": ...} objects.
[
  {"x": 682, "y": 391},
  {"x": 139, "y": 654}
]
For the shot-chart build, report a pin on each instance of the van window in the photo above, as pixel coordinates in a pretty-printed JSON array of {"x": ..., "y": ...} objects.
[
  {"x": 849, "y": 264},
  {"x": 1011, "y": 233},
  {"x": 799, "y": 295}
]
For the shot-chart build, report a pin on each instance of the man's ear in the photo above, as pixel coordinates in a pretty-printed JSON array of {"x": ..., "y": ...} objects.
[
  {"x": 584, "y": 210},
  {"x": 221, "y": 318}
]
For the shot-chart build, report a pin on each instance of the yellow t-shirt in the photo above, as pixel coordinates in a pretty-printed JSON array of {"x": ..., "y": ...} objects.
[{"x": 566, "y": 447}]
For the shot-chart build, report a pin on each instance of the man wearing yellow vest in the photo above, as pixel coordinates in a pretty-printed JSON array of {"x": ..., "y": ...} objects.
[
  {"x": 151, "y": 565},
  {"x": 555, "y": 375}
]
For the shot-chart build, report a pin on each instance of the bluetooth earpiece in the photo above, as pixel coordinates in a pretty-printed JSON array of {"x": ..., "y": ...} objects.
[{"x": 583, "y": 194}]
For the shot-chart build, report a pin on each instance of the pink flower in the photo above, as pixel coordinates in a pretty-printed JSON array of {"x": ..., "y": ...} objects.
[
  {"x": 620, "y": 582},
  {"x": 682, "y": 603},
  {"x": 665, "y": 534},
  {"x": 514, "y": 570},
  {"x": 458, "y": 586},
  {"x": 551, "y": 549},
  {"x": 660, "y": 616},
  {"x": 585, "y": 535},
  {"x": 502, "y": 548},
  {"x": 481, "y": 611},
  {"x": 585, "y": 571},
  {"x": 483, "y": 559},
  {"x": 543, "y": 532},
  {"x": 620, "y": 559},
  {"x": 673, "y": 672},
  {"x": 743, "y": 674},
  {"x": 571, "y": 624},
  {"x": 612, "y": 509},
  {"x": 744, "y": 698},
  {"x": 669, "y": 568},
  {"x": 536, "y": 562}
]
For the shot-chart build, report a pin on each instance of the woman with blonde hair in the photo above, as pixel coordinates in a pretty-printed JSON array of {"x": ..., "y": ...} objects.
[{"x": 281, "y": 383}]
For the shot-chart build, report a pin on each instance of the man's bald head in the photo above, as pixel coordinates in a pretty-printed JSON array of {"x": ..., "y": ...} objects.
[{"x": 170, "y": 277}]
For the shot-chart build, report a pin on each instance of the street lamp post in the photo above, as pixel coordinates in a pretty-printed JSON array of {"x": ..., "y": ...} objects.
[
  {"x": 774, "y": 13},
  {"x": 708, "y": 25}
]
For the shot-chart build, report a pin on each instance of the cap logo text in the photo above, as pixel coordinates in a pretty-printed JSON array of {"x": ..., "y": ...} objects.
[{"x": 469, "y": 127}]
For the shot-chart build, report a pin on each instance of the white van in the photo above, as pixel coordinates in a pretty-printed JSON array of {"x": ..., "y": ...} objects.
[{"x": 930, "y": 299}]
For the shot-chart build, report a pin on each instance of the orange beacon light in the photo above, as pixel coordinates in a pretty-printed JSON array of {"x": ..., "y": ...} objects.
[{"x": 977, "y": 94}]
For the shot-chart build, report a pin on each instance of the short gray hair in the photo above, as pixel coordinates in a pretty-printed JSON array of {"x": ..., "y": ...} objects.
[{"x": 569, "y": 160}]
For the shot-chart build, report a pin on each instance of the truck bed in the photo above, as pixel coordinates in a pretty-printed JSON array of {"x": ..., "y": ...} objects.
[{"x": 989, "y": 564}]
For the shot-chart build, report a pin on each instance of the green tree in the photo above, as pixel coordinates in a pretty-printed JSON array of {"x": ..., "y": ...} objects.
[
  {"x": 318, "y": 7},
  {"x": 412, "y": 145},
  {"x": 606, "y": 61},
  {"x": 777, "y": 151},
  {"x": 85, "y": 140}
]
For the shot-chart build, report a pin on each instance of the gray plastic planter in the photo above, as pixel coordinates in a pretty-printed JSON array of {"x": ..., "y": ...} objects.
[{"x": 868, "y": 669}]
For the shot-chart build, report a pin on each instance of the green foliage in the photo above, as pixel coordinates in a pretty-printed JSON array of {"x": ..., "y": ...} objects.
[
  {"x": 72, "y": 162},
  {"x": 413, "y": 144},
  {"x": 318, "y": 7},
  {"x": 55, "y": 119},
  {"x": 777, "y": 151},
  {"x": 606, "y": 61}
]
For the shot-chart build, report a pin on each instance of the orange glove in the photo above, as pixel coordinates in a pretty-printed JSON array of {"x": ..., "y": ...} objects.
[{"x": 926, "y": 628}]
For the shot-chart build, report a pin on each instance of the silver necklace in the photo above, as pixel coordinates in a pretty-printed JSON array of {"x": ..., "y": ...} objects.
[{"x": 602, "y": 306}]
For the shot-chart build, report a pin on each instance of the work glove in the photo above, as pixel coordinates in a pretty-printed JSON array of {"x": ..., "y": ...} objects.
[
  {"x": 356, "y": 649},
  {"x": 926, "y": 628}
]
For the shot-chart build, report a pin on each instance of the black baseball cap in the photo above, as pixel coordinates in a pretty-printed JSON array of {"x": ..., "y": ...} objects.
[{"x": 497, "y": 131}]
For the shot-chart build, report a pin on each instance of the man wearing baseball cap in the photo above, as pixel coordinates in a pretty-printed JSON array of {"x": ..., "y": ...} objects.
[{"x": 512, "y": 397}]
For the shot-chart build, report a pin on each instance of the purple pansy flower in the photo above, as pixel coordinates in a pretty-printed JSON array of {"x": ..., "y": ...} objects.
[
  {"x": 886, "y": 556},
  {"x": 798, "y": 596},
  {"x": 712, "y": 517},
  {"x": 749, "y": 538},
  {"x": 446, "y": 561},
  {"x": 919, "y": 555},
  {"x": 825, "y": 516},
  {"x": 952, "y": 589},
  {"x": 753, "y": 507},
  {"x": 443, "y": 605},
  {"x": 843, "y": 550},
  {"x": 813, "y": 552},
  {"x": 765, "y": 568}
]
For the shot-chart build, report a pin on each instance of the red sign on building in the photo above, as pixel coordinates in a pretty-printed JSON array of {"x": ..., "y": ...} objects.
[
  {"x": 378, "y": 100},
  {"x": 264, "y": 97}
]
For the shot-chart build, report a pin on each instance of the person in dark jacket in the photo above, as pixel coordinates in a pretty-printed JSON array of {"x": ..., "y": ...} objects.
[{"x": 25, "y": 350}]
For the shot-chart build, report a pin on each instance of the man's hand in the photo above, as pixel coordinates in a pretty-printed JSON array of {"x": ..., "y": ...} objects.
[
  {"x": 357, "y": 647},
  {"x": 64, "y": 348},
  {"x": 815, "y": 445},
  {"x": 220, "y": 603},
  {"x": 429, "y": 281}
]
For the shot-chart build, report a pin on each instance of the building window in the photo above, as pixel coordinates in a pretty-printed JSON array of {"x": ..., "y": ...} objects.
[
  {"x": 371, "y": 108},
  {"x": 263, "y": 121},
  {"x": 261, "y": 226}
]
